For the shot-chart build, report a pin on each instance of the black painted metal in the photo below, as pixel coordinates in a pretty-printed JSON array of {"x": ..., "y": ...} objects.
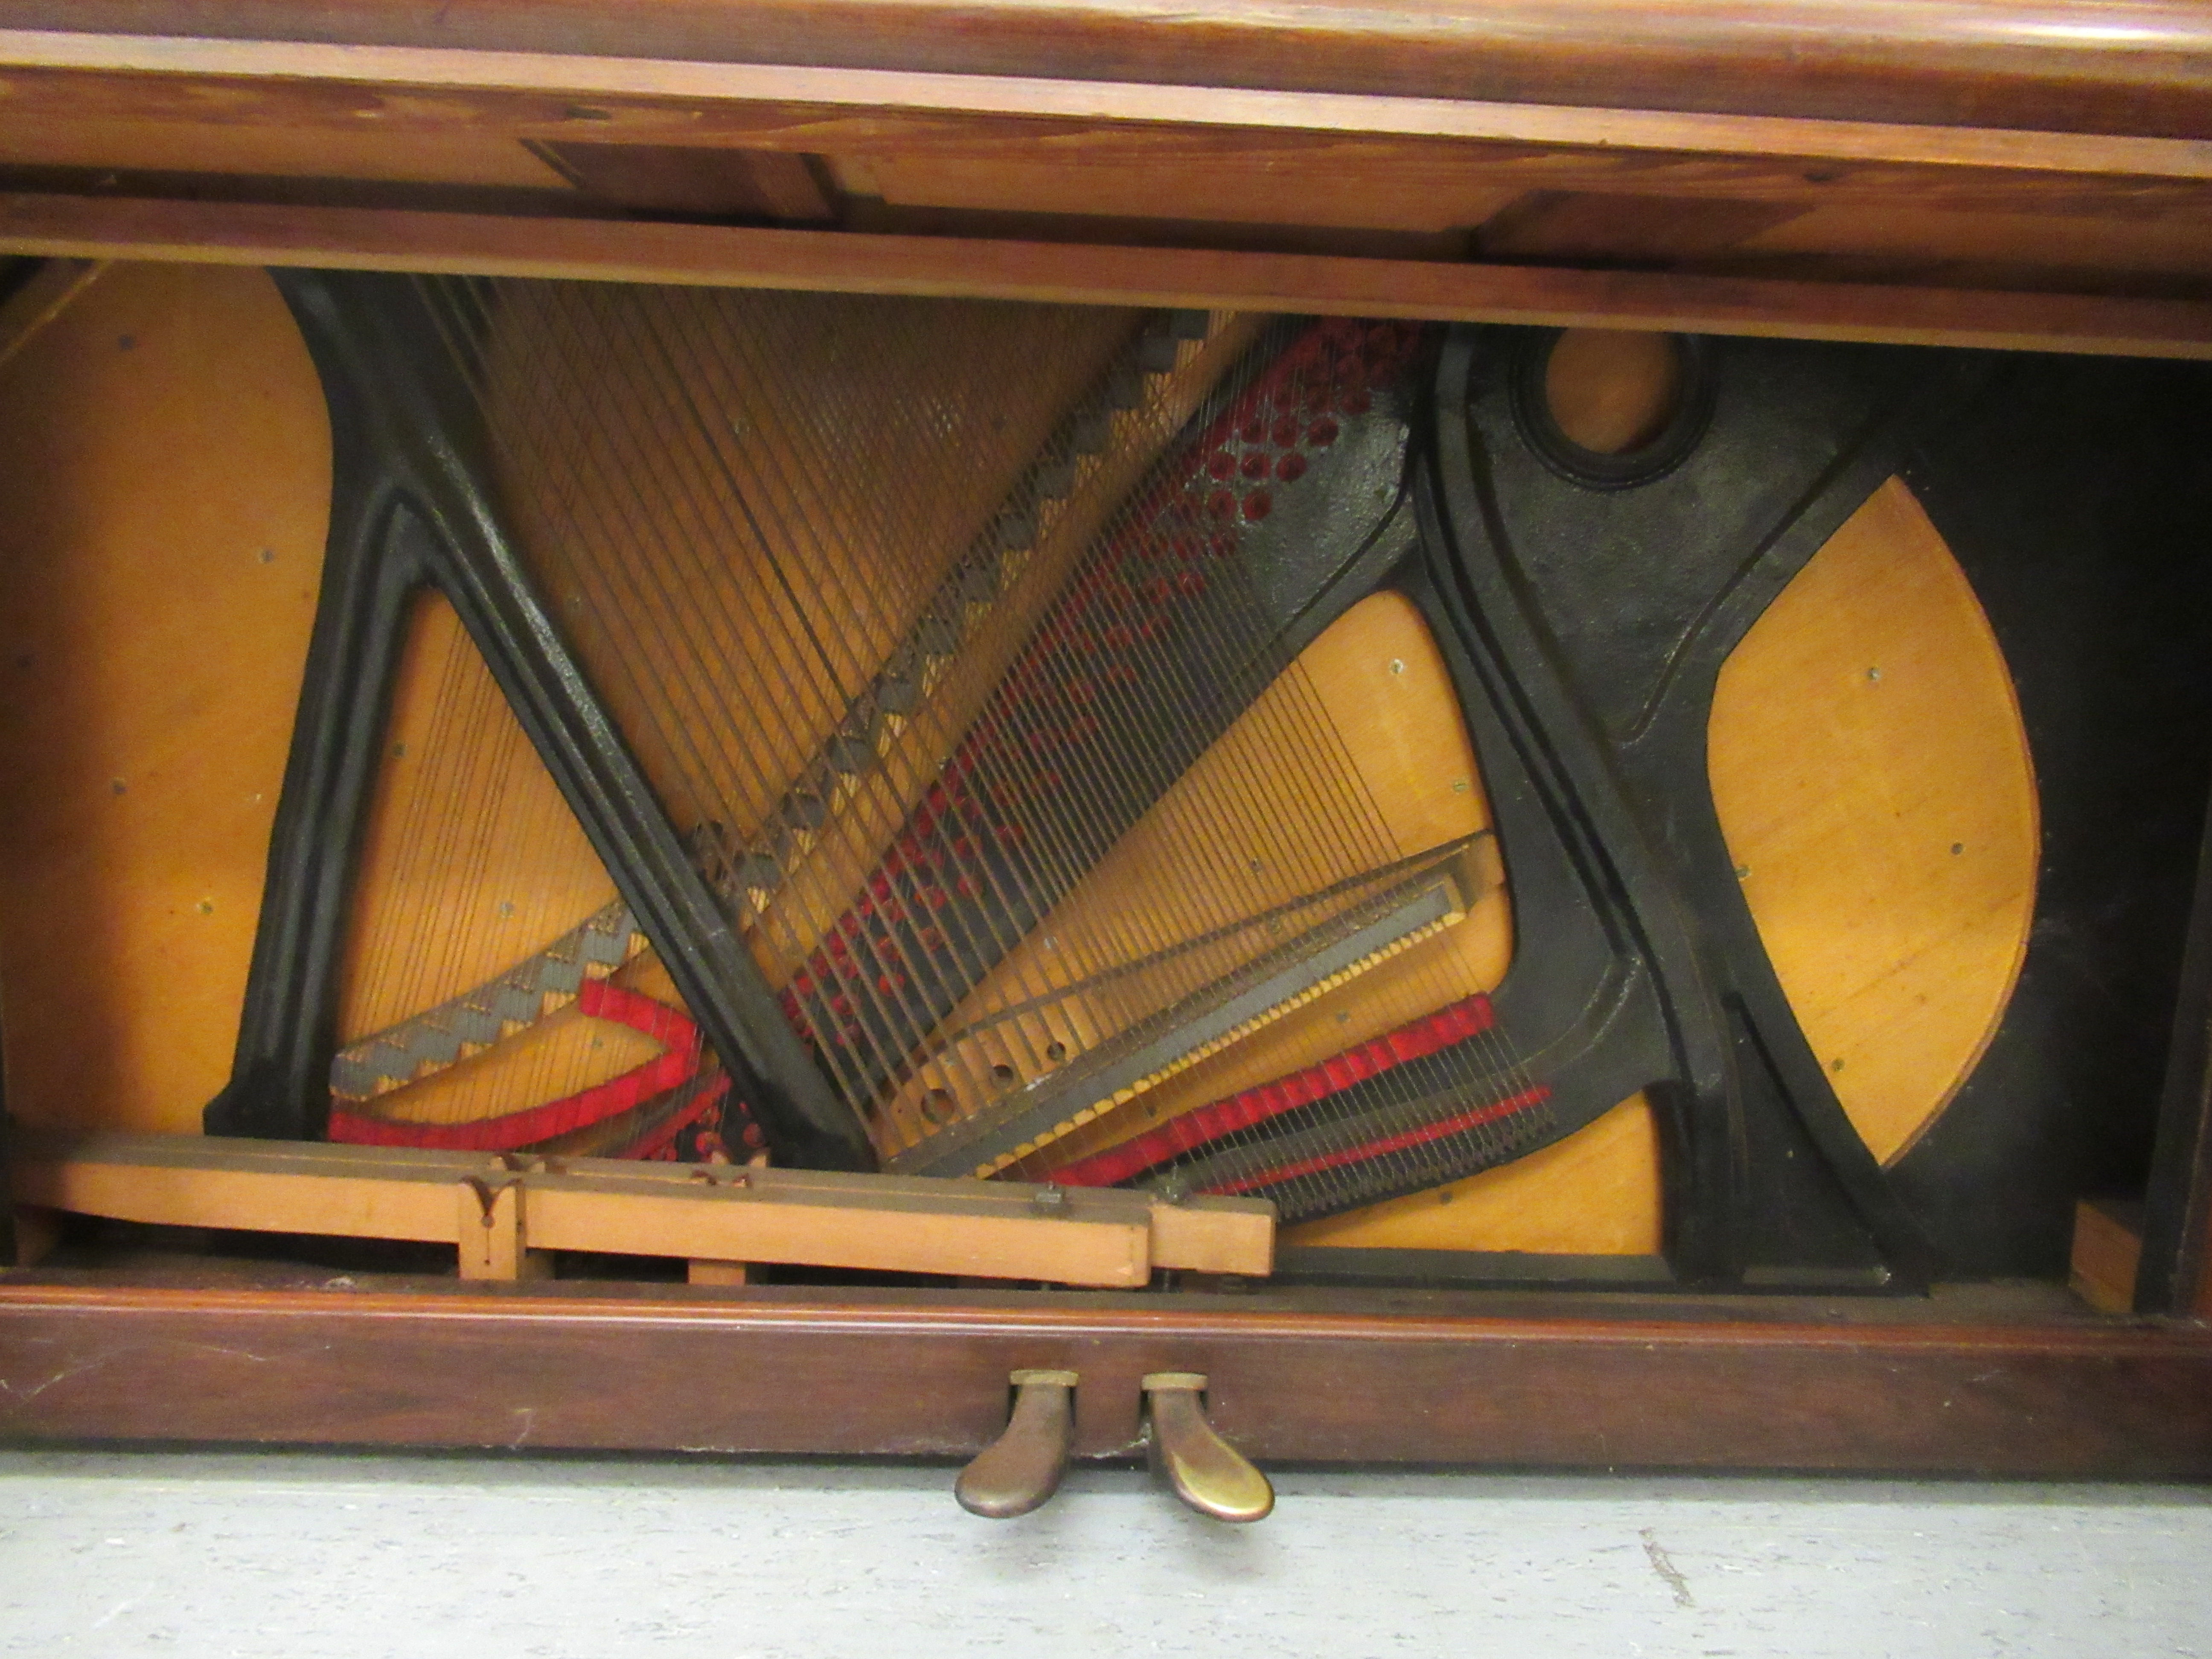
[
  {"x": 2074, "y": 495},
  {"x": 412, "y": 505},
  {"x": 1585, "y": 620},
  {"x": 1612, "y": 606}
]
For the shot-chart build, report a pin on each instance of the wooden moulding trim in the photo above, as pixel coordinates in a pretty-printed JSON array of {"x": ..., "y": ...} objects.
[
  {"x": 1009, "y": 1314},
  {"x": 727, "y": 1374},
  {"x": 1351, "y": 114},
  {"x": 2136, "y": 65},
  {"x": 263, "y": 233}
]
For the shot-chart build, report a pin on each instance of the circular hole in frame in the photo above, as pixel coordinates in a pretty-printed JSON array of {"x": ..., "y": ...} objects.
[{"x": 1609, "y": 407}]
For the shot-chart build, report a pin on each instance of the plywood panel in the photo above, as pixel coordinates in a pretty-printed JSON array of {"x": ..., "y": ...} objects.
[
  {"x": 163, "y": 500},
  {"x": 1873, "y": 780}
]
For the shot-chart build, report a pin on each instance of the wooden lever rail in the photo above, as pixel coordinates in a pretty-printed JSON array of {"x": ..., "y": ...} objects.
[{"x": 497, "y": 1211}]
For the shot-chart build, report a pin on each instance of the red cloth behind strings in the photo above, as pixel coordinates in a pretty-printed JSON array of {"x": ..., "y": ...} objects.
[
  {"x": 678, "y": 1063},
  {"x": 1454, "y": 1023}
]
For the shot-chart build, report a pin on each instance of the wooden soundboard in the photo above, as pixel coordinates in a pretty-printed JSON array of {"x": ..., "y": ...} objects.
[{"x": 1926, "y": 173}]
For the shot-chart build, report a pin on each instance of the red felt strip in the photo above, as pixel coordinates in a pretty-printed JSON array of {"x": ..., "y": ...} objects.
[
  {"x": 1455, "y": 1024},
  {"x": 1389, "y": 1144},
  {"x": 677, "y": 1064}
]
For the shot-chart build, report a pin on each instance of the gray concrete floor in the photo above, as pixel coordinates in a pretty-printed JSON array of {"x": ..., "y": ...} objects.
[{"x": 302, "y": 1554}]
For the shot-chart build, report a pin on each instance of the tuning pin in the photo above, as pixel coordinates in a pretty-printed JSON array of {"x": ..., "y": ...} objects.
[
  {"x": 1201, "y": 1468},
  {"x": 1019, "y": 1470}
]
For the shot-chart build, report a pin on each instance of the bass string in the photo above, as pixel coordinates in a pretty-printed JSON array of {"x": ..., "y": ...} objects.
[
  {"x": 1054, "y": 846},
  {"x": 583, "y": 411},
  {"x": 1201, "y": 864},
  {"x": 1481, "y": 1070},
  {"x": 1429, "y": 981},
  {"x": 1293, "y": 828},
  {"x": 1487, "y": 1064},
  {"x": 1085, "y": 852},
  {"x": 824, "y": 563},
  {"x": 1246, "y": 791}
]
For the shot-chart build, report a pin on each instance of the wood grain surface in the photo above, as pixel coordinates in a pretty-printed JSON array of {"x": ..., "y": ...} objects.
[
  {"x": 1968, "y": 1385},
  {"x": 264, "y": 233},
  {"x": 2060, "y": 65},
  {"x": 1873, "y": 780},
  {"x": 1093, "y": 160},
  {"x": 160, "y": 597}
]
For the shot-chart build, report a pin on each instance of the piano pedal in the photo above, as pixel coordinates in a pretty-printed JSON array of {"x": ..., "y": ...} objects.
[
  {"x": 1201, "y": 1468},
  {"x": 1021, "y": 1470}
]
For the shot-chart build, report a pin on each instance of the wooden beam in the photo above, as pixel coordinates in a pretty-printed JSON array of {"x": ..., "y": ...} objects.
[
  {"x": 263, "y": 233},
  {"x": 497, "y": 1211},
  {"x": 1970, "y": 1383},
  {"x": 609, "y": 83},
  {"x": 2114, "y": 66}
]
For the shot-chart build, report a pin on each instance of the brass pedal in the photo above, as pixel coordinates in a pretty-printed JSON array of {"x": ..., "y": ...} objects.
[
  {"x": 1019, "y": 1470},
  {"x": 1201, "y": 1468}
]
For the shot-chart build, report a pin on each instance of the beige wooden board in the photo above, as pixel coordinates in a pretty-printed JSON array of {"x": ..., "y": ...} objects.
[
  {"x": 2107, "y": 1254},
  {"x": 1085, "y": 1244},
  {"x": 1232, "y": 189},
  {"x": 1907, "y": 310},
  {"x": 1873, "y": 780},
  {"x": 437, "y": 86},
  {"x": 159, "y": 596},
  {"x": 185, "y": 1181},
  {"x": 722, "y": 1213}
]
